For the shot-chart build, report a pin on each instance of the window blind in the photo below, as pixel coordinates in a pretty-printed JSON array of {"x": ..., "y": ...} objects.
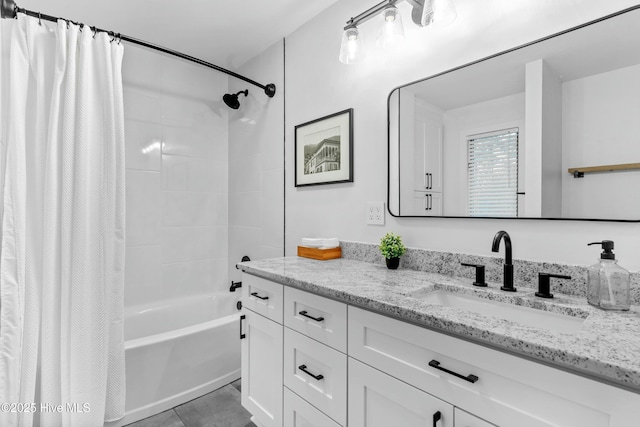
[{"x": 493, "y": 173}]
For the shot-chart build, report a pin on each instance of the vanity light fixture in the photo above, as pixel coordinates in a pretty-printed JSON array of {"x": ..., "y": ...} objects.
[
  {"x": 423, "y": 13},
  {"x": 438, "y": 12},
  {"x": 351, "y": 48},
  {"x": 392, "y": 32}
]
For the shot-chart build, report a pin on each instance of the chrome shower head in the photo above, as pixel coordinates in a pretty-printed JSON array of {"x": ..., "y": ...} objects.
[{"x": 232, "y": 99}]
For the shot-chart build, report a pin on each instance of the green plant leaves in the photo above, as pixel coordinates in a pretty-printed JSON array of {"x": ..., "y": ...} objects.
[{"x": 391, "y": 246}]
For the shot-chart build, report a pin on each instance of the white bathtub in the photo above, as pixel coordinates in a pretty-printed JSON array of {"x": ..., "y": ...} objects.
[{"x": 177, "y": 351}]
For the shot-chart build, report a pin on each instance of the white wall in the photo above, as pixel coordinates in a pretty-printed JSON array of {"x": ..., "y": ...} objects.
[
  {"x": 256, "y": 166},
  {"x": 176, "y": 176},
  {"x": 601, "y": 127},
  {"x": 317, "y": 85},
  {"x": 459, "y": 123}
]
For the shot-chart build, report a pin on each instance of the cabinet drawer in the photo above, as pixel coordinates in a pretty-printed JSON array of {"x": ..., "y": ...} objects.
[
  {"x": 378, "y": 400},
  {"x": 317, "y": 317},
  {"x": 509, "y": 390},
  {"x": 317, "y": 373},
  {"x": 299, "y": 413},
  {"x": 262, "y": 296}
]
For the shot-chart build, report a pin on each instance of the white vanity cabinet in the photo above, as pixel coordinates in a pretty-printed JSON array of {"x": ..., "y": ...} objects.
[
  {"x": 338, "y": 365},
  {"x": 497, "y": 387},
  {"x": 261, "y": 345}
]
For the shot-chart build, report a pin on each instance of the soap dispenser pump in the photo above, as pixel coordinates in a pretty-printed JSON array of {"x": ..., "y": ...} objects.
[{"x": 608, "y": 284}]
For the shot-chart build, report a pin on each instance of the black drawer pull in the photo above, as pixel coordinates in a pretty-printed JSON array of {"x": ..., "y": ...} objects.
[
  {"x": 303, "y": 368},
  {"x": 255, "y": 294},
  {"x": 471, "y": 378},
  {"x": 436, "y": 417},
  {"x": 242, "y": 335},
  {"x": 304, "y": 313}
]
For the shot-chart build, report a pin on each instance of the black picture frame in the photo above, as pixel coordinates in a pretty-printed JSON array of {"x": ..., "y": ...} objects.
[{"x": 323, "y": 150}]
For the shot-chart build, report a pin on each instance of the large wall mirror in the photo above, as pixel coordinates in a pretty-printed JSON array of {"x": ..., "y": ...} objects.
[{"x": 546, "y": 130}]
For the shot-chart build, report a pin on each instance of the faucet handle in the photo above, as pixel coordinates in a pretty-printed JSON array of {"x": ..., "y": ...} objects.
[
  {"x": 479, "y": 274},
  {"x": 544, "y": 284}
]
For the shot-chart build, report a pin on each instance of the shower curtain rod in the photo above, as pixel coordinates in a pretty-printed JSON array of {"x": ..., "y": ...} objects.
[{"x": 9, "y": 9}]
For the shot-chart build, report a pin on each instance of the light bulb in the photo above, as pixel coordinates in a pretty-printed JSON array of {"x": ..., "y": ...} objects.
[
  {"x": 392, "y": 32},
  {"x": 351, "y": 50},
  {"x": 438, "y": 12}
]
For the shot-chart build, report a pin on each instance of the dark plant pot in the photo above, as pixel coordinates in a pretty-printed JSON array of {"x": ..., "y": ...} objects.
[{"x": 392, "y": 263}]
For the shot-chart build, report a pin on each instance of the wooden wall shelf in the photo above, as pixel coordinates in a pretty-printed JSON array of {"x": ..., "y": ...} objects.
[{"x": 579, "y": 172}]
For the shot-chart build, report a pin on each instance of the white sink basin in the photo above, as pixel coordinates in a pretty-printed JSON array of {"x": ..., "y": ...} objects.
[{"x": 524, "y": 315}]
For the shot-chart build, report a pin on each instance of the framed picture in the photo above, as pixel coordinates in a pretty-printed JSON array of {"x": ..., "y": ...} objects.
[{"x": 324, "y": 150}]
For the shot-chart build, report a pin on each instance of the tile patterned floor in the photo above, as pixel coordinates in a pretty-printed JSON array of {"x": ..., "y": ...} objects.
[{"x": 220, "y": 408}]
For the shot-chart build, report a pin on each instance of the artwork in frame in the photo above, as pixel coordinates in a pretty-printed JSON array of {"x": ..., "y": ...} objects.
[{"x": 324, "y": 150}]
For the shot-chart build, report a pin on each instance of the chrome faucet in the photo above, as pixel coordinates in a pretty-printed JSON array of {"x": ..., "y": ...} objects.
[{"x": 508, "y": 266}]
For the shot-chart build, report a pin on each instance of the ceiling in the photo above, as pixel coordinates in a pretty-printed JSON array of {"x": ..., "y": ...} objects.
[
  {"x": 225, "y": 33},
  {"x": 597, "y": 48}
]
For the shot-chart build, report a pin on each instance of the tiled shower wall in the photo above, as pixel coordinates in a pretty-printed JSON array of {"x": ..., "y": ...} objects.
[
  {"x": 256, "y": 174},
  {"x": 176, "y": 128}
]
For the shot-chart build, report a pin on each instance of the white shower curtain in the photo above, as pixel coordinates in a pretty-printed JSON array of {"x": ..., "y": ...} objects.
[{"x": 62, "y": 252}]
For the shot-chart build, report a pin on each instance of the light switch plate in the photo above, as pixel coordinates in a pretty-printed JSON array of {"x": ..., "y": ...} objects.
[{"x": 375, "y": 213}]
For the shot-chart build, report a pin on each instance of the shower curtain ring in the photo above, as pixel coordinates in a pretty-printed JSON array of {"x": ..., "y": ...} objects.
[
  {"x": 39, "y": 19},
  {"x": 95, "y": 31}
]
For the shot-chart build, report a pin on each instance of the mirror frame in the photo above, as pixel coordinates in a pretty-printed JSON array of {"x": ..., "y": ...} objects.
[{"x": 595, "y": 21}]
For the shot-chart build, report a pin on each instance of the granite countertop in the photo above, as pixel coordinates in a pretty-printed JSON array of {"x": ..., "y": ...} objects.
[{"x": 605, "y": 347}]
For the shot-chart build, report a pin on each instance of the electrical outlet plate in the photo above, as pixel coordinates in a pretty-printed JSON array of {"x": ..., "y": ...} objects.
[{"x": 375, "y": 213}]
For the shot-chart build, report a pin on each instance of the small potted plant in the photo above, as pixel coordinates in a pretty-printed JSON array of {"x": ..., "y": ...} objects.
[{"x": 392, "y": 248}]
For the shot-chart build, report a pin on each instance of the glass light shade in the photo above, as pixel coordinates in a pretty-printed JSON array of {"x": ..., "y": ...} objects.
[
  {"x": 392, "y": 32},
  {"x": 351, "y": 50},
  {"x": 438, "y": 12}
]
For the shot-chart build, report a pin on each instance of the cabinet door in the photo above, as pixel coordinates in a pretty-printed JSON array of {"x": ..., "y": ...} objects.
[
  {"x": 379, "y": 400},
  {"x": 427, "y": 135},
  {"x": 262, "y": 369},
  {"x": 464, "y": 419},
  {"x": 427, "y": 204}
]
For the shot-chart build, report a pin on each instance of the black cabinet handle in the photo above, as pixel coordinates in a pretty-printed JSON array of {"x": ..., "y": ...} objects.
[
  {"x": 428, "y": 202},
  {"x": 255, "y": 294},
  {"x": 303, "y": 368},
  {"x": 436, "y": 417},
  {"x": 429, "y": 184},
  {"x": 471, "y": 378},
  {"x": 304, "y": 313},
  {"x": 242, "y": 336}
]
